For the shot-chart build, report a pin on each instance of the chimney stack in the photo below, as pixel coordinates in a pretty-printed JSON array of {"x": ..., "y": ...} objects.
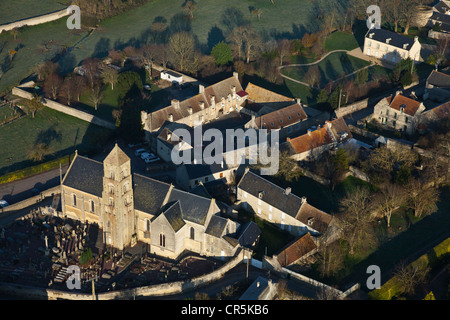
[
  {"x": 201, "y": 88},
  {"x": 288, "y": 190}
]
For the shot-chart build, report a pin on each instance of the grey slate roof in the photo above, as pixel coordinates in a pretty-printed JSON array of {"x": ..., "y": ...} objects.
[
  {"x": 439, "y": 79},
  {"x": 174, "y": 215},
  {"x": 194, "y": 208},
  {"x": 195, "y": 171},
  {"x": 248, "y": 234},
  {"x": 216, "y": 226},
  {"x": 397, "y": 40},
  {"x": 273, "y": 194},
  {"x": 441, "y": 7},
  {"x": 440, "y": 17},
  {"x": 86, "y": 175},
  {"x": 149, "y": 194}
]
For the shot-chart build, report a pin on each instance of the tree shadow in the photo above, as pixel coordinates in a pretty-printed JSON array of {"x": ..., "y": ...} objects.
[
  {"x": 232, "y": 18},
  {"x": 215, "y": 35},
  {"x": 101, "y": 48},
  {"x": 48, "y": 136}
]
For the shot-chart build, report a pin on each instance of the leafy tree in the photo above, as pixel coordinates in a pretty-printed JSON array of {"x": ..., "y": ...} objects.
[
  {"x": 86, "y": 257},
  {"x": 362, "y": 77},
  {"x": 222, "y": 54},
  {"x": 130, "y": 126},
  {"x": 402, "y": 175}
]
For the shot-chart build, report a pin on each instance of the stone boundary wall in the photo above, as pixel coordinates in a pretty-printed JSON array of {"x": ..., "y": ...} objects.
[
  {"x": 30, "y": 201},
  {"x": 65, "y": 109},
  {"x": 35, "y": 20},
  {"x": 438, "y": 35},
  {"x": 154, "y": 290},
  {"x": 352, "y": 108}
]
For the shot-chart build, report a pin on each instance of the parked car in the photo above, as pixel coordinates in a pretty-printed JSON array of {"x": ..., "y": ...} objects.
[
  {"x": 3, "y": 204},
  {"x": 151, "y": 160},
  {"x": 140, "y": 151}
]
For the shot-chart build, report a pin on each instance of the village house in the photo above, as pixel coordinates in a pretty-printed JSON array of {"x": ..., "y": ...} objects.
[
  {"x": 189, "y": 176},
  {"x": 128, "y": 207},
  {"x": 399, "y": 113},
  {"x": 432, "y": 117},
  {"x": 209, "y": 104},
  {"x": 312, "y": 144},
  {"x": 391, "y": 47},
  {"x": 439, "y": 21},
  {"x": 438, "y": 86},
  {"x": 280, "y": 206}
]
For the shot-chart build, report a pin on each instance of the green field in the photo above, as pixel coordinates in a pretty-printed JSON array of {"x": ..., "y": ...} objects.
[
  {"x": 335, "y": 66},
  {"x": 61, "y": 132},
  {"x": 11, "y": 11},
  {"x": 341, "y": 41}
]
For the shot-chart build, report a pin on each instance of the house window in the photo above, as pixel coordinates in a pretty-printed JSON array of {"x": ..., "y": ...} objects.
[
  {"x": 206, "y": 179},
  {"x": 259, "y": 210},
  {"x": 245, "y": 194},
  {"x": 270, "y": 208},
  {"x": 259, "y": 201},
  {"x": 111, "y": 188},
  {"x": 406, "y": 119},
  {"x": 270, "y": 216},
  {"x": 111, "y": 173},
  {"x": 162, "y": 240},
  {"x": 393, "y": 123},
  {"x": 147, "y": 225},
  {"x": 92, "y": 206},
  {"x": 221, "y": 174},
  {"x": 369, "y": 43},
  {"x": 283, "y": 215},
  {"x": 74, "y": 199},
  {"x": 192, "y": 235}
]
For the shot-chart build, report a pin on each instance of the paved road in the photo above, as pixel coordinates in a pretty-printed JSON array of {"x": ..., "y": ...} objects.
[{"x": 22, "y": 189}]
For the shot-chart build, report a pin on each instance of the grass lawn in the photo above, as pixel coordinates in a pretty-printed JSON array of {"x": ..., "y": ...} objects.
[
  {"x": 34, "y": 45},
  {"x": 341, "y": 41},
  {"x": 63, "y": 134},
  {"x": 22, "y": 9},
  {"x": 335, "y": 66}
]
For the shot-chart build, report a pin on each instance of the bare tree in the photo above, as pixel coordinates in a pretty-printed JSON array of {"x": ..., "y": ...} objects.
[
  {"x": 38, "y": 152},
  {"x": 189, "y": 7},
  {"x": 390, "y": 198},
  {"x": 312, "y": 76},
  {"x": 236, "y": 38},
  {"x": 356, "y": 219},
  {"x": 409, "y": 10},
  {"x": 52, "y": 85},
  {"x": 409, "y": 276},
  {"x": 393, "y": 12},
  {"x": 422, "y": 199},
  {"x": 253, "y": 43},
  {"x": 182, "y": 46},
  {"x": 34, "y": 105},
  {"x": 257, "y": 12},
  {"x": 91, "y": 69},
  {"x": 96, "y": 95},
  {"x": 284, "y": 49},
  {"x": 68, "y": 89},
  {"x": 109, "y": 76}
]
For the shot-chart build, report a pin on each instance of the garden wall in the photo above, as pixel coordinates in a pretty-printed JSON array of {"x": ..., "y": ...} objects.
[
  {"x": 65, "y": 109},
  {"x": 35, "y": 20},
  {"x": 352, "y": 108}
]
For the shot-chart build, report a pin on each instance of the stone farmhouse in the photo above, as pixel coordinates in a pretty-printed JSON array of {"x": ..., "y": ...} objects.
[
  {"x": 280, "y": 206},
  {"x": 398, "y": 113},
  {"x": 391, "y": 47},
  {"x": 209, "y": 104},
  {"x": 128, "y": 207},
  {"x": 312, "y": 144}
]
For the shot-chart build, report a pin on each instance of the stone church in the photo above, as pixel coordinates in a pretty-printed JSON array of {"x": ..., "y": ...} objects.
[{"x": 129, "y": 207}]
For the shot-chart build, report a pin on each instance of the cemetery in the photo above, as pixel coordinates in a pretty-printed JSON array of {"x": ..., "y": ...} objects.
[{"x": 38, "y": 248}]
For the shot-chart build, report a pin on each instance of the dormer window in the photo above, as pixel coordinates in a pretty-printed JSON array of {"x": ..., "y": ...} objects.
[
  {"x": 310, "y": 221},
  {"x": 260, "y": 194}
]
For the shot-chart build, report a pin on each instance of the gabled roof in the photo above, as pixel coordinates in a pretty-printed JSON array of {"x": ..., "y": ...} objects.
[
  {"x": 85, "y": 175},
  {"x": 440, "y": 17},
  {"x": 311, "y": 140},
  {"x": 313, "y": 217},
  {"x": 441, "y": 7},
  {"x": 195, "y": 171},
  {"x": 442, "y": 111},
  {"x": 194, "y": 208},
  {"x": 259, "y": 94},
  {"x": 439, "y": 79},
  {"x": 397, "y": 40},
  {"x": 400, "y": 101},
  {"x": 272, "y": 194},
  {"x": 216, "y": 226},
  {"x": 281, "y": 118},
  {"x": 148, "y": 194},
  {"x": 248, "y": 234},
  {"x": 174, "y": 216},
  {"x": 181, "y": 109},
  {"x": 295, "y": 250}
]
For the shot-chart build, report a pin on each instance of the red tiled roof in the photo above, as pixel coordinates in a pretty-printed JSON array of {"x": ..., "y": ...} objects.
[
  {"x": 242, "y": 93},
  {"x": 296, "y": 250},
  {"x": 411, "y": 106},
  {"x": 259, "y": 94},
  {"x": 311, "y": 140},
  {"x": 443, "y": 111},
  {"x": 281, "y": 118}
]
